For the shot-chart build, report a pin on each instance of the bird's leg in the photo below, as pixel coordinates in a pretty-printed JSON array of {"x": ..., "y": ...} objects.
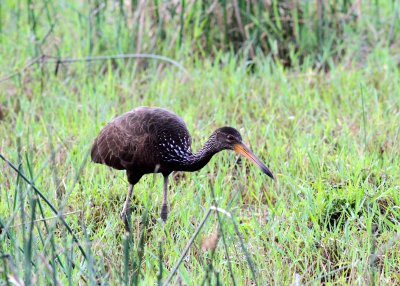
[
  {"x": 164, "y": 207},
  {"x": 126, "y": 212}
]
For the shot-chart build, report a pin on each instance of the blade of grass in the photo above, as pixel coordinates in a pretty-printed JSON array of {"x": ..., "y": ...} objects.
[
  {"x": 221, "y": 229},
  {"x": 28, "y": 253},
  {"x": 188, "y": 245}
]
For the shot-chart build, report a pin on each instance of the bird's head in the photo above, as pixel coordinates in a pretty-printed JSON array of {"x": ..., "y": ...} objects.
[{"x": 229, "y": 138}]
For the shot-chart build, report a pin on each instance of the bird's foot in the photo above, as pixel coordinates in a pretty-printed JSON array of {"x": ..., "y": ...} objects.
[
  {"x": 164, "y": 212},
  {"x": 126, "y": 219}
]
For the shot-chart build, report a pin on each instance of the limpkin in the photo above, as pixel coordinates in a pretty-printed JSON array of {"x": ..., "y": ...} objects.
[{"x": 154, "y": 140}]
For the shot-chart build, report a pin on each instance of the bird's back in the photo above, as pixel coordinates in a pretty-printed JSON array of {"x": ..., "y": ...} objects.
[{"x": 138, "y": 138}]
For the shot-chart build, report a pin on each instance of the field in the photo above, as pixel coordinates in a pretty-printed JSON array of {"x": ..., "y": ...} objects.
[{"x": 323, "y": 115}]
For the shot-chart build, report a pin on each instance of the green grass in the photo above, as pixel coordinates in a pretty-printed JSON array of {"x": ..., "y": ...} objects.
[{"x": 330, "y": 138}]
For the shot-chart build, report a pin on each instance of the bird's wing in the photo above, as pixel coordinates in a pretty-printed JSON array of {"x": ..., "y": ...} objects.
[{"x": 114, "y": 146}]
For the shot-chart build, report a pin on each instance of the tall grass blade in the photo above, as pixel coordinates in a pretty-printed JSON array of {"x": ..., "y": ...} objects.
[
  {"x": 363, "y": 117},
  {"x": 182, "y": 22},
  {"x": 393, "y": 24},
  {"x": 29, "y": 242},
  {"x": 188, "y": 245},
  {"x": 140, "y": 249},
  {"x": 126, "y": 255},
  {"x": 160, "y": 264},
  {"x": 221, "y": 231},
  {"x": 247, "y": 254}
]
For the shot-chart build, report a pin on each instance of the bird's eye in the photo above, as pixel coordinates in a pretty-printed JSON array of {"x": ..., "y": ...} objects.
[{"x": 230, "y": 137}]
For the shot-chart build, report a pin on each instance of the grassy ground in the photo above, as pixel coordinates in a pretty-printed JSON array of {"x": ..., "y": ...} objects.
[{"x": 330, "y": 138}]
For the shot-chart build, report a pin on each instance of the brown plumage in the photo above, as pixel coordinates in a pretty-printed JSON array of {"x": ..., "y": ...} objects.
[{"x": 154, "y": 140}]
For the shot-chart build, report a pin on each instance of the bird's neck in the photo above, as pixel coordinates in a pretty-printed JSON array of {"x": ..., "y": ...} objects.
[{"x": 202, "y": 157}]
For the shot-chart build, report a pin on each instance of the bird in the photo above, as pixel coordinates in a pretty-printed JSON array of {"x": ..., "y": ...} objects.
[{"x": 149, "y": 140}]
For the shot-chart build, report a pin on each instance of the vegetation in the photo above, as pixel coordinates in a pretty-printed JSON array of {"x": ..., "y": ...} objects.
[{"x": 314, "y": 87}]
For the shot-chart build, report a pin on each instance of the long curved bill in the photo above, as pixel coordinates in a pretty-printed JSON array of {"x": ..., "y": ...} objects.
[{"x": 242, "y": 149}]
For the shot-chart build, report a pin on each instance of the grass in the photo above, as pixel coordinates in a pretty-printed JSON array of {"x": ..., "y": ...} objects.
[{"x": 330, "y": 138}]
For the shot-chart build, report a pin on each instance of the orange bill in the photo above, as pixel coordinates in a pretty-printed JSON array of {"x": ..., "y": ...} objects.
[{"x": 241, "y": 149}]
